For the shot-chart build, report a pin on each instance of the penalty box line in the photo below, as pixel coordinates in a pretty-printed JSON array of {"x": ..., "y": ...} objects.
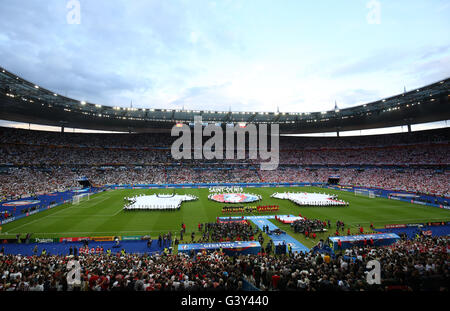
[
  {"x": 41, "y": 218},
  {"x": 81, "y": 207}
]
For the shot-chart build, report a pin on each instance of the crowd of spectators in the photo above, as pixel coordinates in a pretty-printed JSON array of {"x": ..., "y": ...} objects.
[
  {"x": 228, "y": 231},
  {"x": 418, "y": 264},
  {"x": 41, "y": 162},
  {"x": 423, "y": 154},
  {"x": 416, "y": 180},
  {"x": 423, "y": 180},
  {"x": 23, "y": 182},
  {"x": 22, "y": 147},
  {"x": 230, "y": 174},
  {"x": 28, "y": 181},
  {"x": 308, "y": 225},
  {"x": 124, "y": 272},
  {"x": 154, "y": 140}
]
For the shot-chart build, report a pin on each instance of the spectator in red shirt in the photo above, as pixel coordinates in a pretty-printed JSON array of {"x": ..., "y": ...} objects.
[{"x": 275, "y": 279}]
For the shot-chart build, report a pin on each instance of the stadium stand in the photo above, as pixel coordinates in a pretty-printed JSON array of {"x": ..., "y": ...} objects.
[
  {"x": 38, "y": 162},
  {"x": 420, "y": 263}
]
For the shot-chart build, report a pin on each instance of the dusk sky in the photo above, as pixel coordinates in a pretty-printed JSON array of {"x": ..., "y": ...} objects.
[{"x": 250, "y": 55}]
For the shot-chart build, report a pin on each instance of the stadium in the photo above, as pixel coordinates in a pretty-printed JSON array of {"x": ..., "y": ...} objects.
[{"x": 116, "y": 194}]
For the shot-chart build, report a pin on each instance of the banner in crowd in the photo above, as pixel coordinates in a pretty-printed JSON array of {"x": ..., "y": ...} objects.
[
  {"x": 74, "y": 239},
  {"x": 229, "y": 248},
  {"x": 102, "y": 238},
  {"x": 394, "y": 226},
  {"x": 44, "y": 240},
  {"x": 132, "y": 238},
  {"x": 436, "y": 223},
  {"x": 250, "y": 209},
  {"x": 380, "y": 239}
]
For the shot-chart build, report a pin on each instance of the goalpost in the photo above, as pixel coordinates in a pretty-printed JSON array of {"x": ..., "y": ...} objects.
[
  {"x": 76, "y": 199},
  {"x": 365, "y": 192}
]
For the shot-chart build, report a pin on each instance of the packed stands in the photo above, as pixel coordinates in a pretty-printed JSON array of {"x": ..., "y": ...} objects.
[
  {"x": 34, "y": 162},
  {"x": 417, "y": 264}
]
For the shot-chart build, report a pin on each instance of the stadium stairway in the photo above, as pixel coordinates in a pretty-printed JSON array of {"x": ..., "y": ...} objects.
[
  {"x": 56, "y": 248},
  {"x": 261, "y": 221}
]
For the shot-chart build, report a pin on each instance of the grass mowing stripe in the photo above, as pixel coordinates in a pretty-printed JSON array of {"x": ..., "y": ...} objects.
[{"x": 39, "y": 219}]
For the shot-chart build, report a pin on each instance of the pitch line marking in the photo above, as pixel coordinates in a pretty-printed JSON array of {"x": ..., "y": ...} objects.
[
  {"x": 96, "y": 232},
  {"x": 40, "y": 218},
  {"x": 104, "y": 199},
  {"x": 121, "y": 209},
  {"x": 84, "y": 216}
]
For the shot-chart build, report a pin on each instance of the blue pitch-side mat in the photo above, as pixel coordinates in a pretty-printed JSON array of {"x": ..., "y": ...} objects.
[
  {"x": 261, "y": 221},
  {"x": 55, "y": 248}
]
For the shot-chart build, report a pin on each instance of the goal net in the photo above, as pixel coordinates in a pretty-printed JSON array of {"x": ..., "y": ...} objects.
[
  {"x": 365, "y": 192},
  {"x": 80, "y": 198}
]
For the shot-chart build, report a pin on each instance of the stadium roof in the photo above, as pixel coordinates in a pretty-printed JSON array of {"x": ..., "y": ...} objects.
[{"x": 23, "y": 101}]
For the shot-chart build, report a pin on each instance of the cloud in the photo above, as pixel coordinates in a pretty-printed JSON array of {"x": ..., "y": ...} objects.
[
  {"x": 355, "y": 97},
  {"x": 390, "y": 60},
  {"x": 430, "y": 71},
  {"x": 378, "y": 61},
  {"x": 208, "y": 56},
  {"x": 205, "y": 98}
]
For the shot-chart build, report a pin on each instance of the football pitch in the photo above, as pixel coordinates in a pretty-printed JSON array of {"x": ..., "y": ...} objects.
[{"x": 103, "y": 214}]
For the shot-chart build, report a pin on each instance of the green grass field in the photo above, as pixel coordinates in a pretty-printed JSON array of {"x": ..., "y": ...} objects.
[{"x": 103, "y": 214}]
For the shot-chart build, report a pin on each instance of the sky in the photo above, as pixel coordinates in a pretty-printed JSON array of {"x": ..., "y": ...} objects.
[{"x": 243, "y": 55}]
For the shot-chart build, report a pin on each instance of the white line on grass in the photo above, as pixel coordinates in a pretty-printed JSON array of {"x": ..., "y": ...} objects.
[
  {"x": 83, "y": 216},
  {"x": 121, "y": 209},
  {"x": 51, "y": 215},
  {"x": 95, "y": 232},
  {"x": 77, "y": 207},
  {"x": 40, "y": 218}
]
